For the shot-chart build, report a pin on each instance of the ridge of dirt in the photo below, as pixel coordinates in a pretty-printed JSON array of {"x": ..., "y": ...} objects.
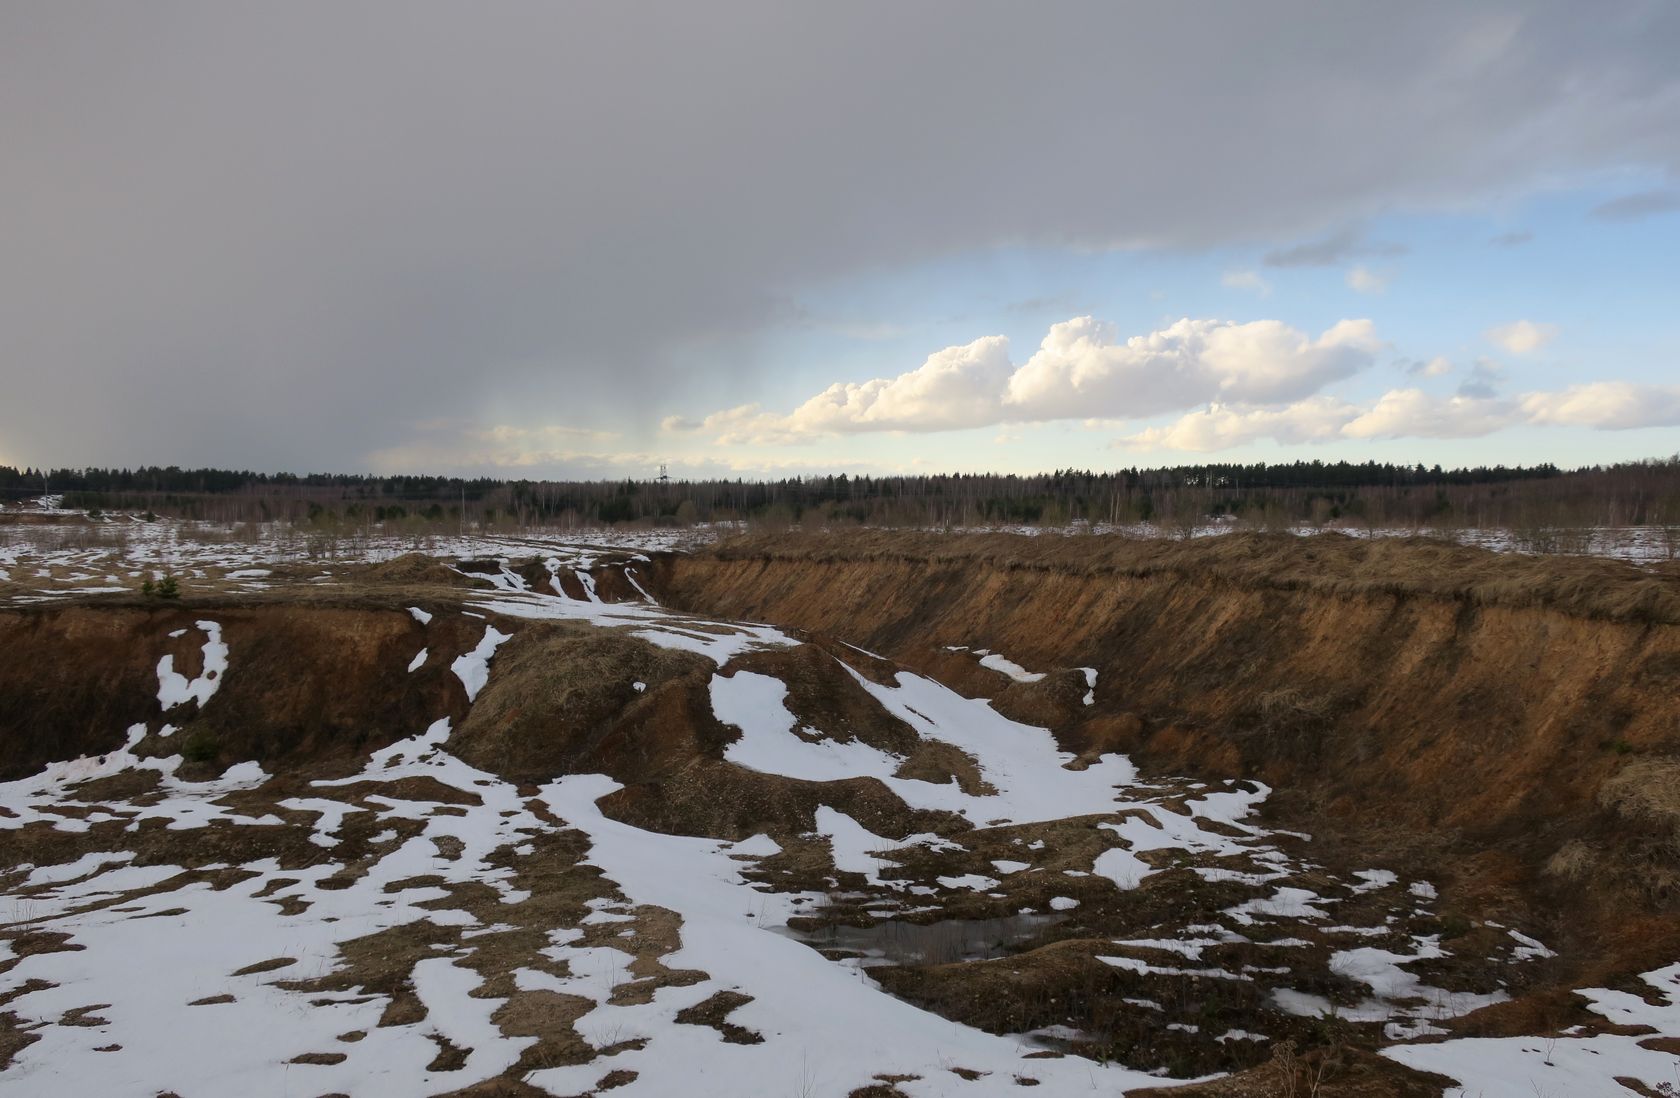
[
  {"x": 1333, "y": 564},
  {"x": 1510, "y": 725}
]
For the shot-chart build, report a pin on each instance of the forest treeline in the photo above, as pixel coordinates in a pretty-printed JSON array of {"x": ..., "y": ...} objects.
[{"x": 1370, "y": 493}]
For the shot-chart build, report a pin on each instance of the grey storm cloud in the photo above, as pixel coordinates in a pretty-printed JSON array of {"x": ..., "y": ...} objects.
[
  {"x": 278, "y": 235},
  {"x": 1633, "y": 207},
  {"x": 1338, "y": 247}
]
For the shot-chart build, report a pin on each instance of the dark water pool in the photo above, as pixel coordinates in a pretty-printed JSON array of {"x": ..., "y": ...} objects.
[{"x": 895, "y": 942}]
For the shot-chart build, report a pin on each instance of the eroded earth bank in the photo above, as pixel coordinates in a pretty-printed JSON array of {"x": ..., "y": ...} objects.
[{"x": 868, "y": 814}]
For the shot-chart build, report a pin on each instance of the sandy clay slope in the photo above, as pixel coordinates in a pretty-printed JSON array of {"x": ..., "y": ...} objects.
[{"x": 506, "y": 824}]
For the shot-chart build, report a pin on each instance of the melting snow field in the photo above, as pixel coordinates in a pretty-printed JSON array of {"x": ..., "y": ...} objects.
[
  {"x": 185, "y": 988},
  {"x": 827, "y": 1029},
  {"x": 138, "y": 976},
  {"x": 1522, "y": 1067}
]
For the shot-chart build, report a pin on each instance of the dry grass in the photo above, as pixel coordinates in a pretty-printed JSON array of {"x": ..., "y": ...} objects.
[
  {"x": 1289, "y": 708},
  {"x": 1327, "y": 564},
  {"x": 1646, "y": 789},
  {"x": 1575, "y": 861},
  {"x": 415, "y": 568}
]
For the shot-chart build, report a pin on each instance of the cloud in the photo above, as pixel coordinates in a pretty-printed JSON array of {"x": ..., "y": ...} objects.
[
  {"x": 448, "y": 217},
  {"x": 955, "y": 388},
  {"x": 1399, "y": 413},
  {"x": 1522, "y": 337},
  {"x": 449, "y": 443},
  {"x": 1413, "y": 413},
  {"x": 1057, "y": 302},
  {"x": 1332, "y": 250},
  {"x": 1439, "y": 366},
  {"x": 1246, "y": 280},
  {"x": 1367, "y": 281},
  {"x": 1220, "y": 427},
  {"x": 507, "y": 433},
  {"x": 1483, "y": 380},
  {"x": 1514, "y": 239},
  {"x": 1606, "y": 405},
  {"x": 1636, "y": 207},
  {"x": 1082, "y": 369},
  {"x": 751, "y": 425}
]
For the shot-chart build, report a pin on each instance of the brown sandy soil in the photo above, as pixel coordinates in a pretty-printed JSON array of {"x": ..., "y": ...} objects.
[
  {"x": 1474, "y": 713},
  {"x": 1506, "y": 728}
]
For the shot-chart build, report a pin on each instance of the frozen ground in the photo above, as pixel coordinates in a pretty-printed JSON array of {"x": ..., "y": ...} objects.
[
  {"x": 1570, "y": 1064},
  {"x": 119, "y": 552},
  {"x": 180, "y": 973},
  {"x": 1637, "y": 544}
]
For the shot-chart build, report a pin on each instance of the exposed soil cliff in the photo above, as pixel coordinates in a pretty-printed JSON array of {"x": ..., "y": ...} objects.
[
  {"x": 1507, "y": 728},
  {"x": 1515, "y": 720}
]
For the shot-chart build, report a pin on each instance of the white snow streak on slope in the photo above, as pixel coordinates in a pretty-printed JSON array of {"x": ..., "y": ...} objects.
[
  {"x": 1020, "y": 761},
  {"x": 718, "y": 641},
  {"x": 1010, "y": 668},
  {"x": 1521, "y": 1067},
  {"x": 755, "y": 704},
  {"x": 1398, "y": 991},
  {"x": 827, "y": 1028},
  {"x": 588, "y": 582},
  {"x": 473, "y": 669},
  {"x": 175, "y": 689},
  {"x": 854, "y": 847},
  {"x": 630, "y": 574},
  {"x": 1157, "y": 828}
]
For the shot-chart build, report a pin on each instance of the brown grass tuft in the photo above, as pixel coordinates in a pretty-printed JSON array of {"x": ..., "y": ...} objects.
[
  {"x": 1575, "y": 860},
  {"x": 1646, "y": 789}
]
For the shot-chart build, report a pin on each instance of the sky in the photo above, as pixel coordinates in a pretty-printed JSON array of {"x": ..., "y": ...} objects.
[{"x": 761, "y": 239}]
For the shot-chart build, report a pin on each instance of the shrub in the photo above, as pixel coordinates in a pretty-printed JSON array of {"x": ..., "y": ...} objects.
[
  {"x": 199, "y": 746},
  {"x": 166, "y": 588},
  {"x": 1453, "y": 926}
]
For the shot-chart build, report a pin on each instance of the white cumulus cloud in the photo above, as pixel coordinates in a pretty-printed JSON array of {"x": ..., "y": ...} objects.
[
  {"x": 1398, "y": 413},
  {"x": 1413, "y": 413},
  {"x": 1522, "y": 337},
  {"x": 1606, "y": 405},
  {"x": 1246, "y": 280},
  {"x": 1219, "y": 427},
  {"x": 1439, "y": 366},
  {"x": 1081, "y": 370},
  {"x": 956, "y": 387},
  {"x": 1367, "y": 281}
]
